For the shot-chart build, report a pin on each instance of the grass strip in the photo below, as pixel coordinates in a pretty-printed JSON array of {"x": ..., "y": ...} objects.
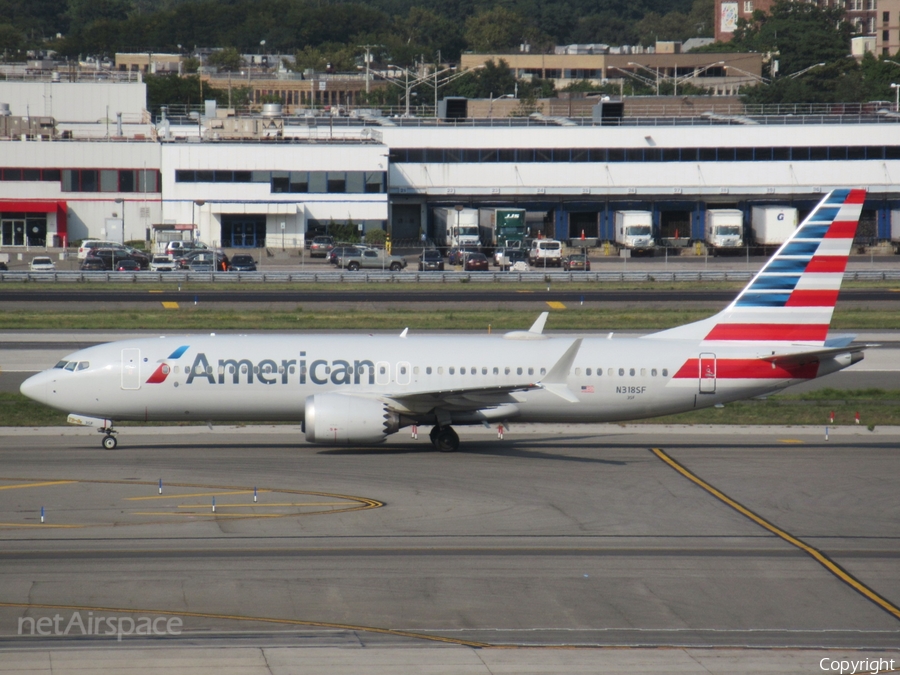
[{"x": 193, "y": 318}]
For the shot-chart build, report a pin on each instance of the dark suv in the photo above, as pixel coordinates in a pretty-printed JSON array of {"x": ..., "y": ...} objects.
[
  {"x": 431, "y": 261},
  {"x": 242, "y": 263}
]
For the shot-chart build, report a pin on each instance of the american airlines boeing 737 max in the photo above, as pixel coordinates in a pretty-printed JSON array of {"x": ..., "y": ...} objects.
[{"x": 358, "y": 390}]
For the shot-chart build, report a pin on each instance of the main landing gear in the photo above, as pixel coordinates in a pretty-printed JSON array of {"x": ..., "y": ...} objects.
[
  {"x": 444, "y": 439},
  {"x": 109, "y": 439}
]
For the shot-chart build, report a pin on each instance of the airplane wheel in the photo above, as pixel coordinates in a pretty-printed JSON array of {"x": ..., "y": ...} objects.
[
  {"x": 110, "y": 442},
  {"x": 433, "y": 434},
  {"x": 447, "y": 440}
]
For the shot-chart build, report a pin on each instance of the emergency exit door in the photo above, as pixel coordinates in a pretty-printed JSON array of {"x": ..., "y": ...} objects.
[{"x": 131, "y": 369}]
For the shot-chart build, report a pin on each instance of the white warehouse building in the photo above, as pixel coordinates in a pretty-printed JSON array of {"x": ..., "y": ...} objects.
[{"x": 189, "y": 179}]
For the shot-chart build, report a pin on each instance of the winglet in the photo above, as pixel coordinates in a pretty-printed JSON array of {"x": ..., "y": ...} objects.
[
  {"x": 405, "y": 331},
  {"x": 538, "y": 326},
  {"x": 555, "y": 380}
]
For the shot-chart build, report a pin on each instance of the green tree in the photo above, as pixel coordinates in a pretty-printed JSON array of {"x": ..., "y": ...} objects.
[
  {"x": 495, "y": 30},
  {"x": 227, "y": 60}
]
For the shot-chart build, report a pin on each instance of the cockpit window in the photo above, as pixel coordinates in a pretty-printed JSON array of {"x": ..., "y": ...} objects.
[
  {"x": 61, "y": 364},
  {"x": 71, "y": 365},
  {"x": 83, "y": 365}
]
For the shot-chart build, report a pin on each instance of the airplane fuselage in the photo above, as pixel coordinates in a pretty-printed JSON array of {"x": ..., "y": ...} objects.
[{"x": 219, "y": 378}]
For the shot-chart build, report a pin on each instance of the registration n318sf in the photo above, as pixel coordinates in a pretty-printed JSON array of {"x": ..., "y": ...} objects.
[{"x": 358, "y": 390}]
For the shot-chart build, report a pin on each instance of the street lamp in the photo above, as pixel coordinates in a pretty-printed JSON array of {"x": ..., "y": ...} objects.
[
  {"x": 649, "y": 70},
  {"x": 758, "y": 78},
  {"x": 692, "y": 74},
  {"x": 194, "y": 224},
  {"x": 121, "y": 201},
  {"x": 896, "y": 88}
]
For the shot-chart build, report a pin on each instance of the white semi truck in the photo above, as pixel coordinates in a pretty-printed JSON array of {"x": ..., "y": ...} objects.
[
  {"x": 634, "y": 230},
  {"x": 772, "y": 225},
  {"x": 455, "y": 228},
  {"x": 724, "y": 229}
]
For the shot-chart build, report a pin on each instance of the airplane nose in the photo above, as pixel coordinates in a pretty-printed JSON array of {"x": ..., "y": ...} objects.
[{"x": 35, "y": 387}]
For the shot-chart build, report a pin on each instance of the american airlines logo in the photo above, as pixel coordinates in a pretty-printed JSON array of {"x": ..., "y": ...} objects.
[
  {"x": 163, "y": 370},
  {"x": 270, "y": 371}
]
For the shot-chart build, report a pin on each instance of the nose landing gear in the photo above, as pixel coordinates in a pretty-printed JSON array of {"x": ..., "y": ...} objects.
[
  {"x": 109, "y": 439},
  {"x": 444, "y": 439}
]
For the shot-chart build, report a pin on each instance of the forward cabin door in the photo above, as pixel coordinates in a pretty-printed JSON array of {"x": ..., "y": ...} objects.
[
  {"x": 707, "y": 373},
  {"x": 131, "y": 369}
]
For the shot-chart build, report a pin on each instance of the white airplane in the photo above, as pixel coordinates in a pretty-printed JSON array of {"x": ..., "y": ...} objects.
[{"x": 358, "y": 390}]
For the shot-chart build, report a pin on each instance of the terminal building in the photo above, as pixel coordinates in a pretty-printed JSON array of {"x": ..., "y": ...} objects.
[{"x": 272, "y": 181}]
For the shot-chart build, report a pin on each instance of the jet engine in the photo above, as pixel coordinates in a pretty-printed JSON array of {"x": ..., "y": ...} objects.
[{"x": 341, "y": 419}]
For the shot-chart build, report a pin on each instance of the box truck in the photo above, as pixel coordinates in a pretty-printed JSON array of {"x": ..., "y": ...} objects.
[
  {"x": 634, "y": 230},
  {"x": 724, "y": 229},
  {"x": 455, "y": 228},
  {"x": 501, "y": 227},
  {"x": 772, "y": 225}
]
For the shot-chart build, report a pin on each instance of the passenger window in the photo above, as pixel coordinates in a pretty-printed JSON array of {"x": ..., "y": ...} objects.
[
  {"x": 609, "y": 372},
  {"x": 452, "y": 371},
  {"x": 440, "y": 370},
  {"x": 415, "y": 370},
  {"x": 428, "y": 370},
  {"x": 474, "y": 371},
  {"x": 256, "y": 370},
  {"x": 543, "y": 371},
  {"x": 165, "y": 369},
  {"x": 643, "y": 372},
  {"x": 519, "y": 370},
  {"x": 244, "y": 369},
  {"x": 175, "y": 370},
  {"x": 292, "y": 370},
  {"x": 506, "y": 370},
  {"x": 221, "y": 370},
  {"x": 631, "y": 371},
  {"x": 403, "y": 370},
  {"x": 496, "y": 370},
  {"x": 665, "y": 372},
  {"x": 382, "y": 370},
  {"x": 483, "y": 370},
  {"x": 599, "y": 372},
  {"x": 281, "y": 369},
  {"x": 587, "y": 371},
  {"x": 462, "y": 371},
  {"x": 531, "y": 371},
  {"x": 621, "y": 372},
  {"x": 209, "y": 370},
  {"x": 653, "y": 372}
]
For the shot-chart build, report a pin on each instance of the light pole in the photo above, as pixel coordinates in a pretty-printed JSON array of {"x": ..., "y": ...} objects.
[
  {"x": 693, "y": 74},
  {"x": 649, "y": 70},
  {"x": 196, "y": 226},
  {"x": 121, "y": 201},
  {"x": 896, "y": 88}
]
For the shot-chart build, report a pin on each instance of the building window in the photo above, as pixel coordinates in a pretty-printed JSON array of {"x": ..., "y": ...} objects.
[{"x": 748, "y": 6}]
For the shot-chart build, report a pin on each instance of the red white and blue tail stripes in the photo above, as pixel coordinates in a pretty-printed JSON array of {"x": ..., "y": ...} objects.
[{"x": 792, "y": 298}]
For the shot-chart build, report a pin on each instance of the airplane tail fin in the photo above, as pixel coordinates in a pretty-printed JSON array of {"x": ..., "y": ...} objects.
[{"x": 791, "y": 299}]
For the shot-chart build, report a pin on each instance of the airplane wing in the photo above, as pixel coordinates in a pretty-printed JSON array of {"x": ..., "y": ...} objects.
[{"x": 478, "y": 398}]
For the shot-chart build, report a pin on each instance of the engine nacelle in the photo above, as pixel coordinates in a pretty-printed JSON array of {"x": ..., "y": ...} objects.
[{"x": 341, "y": 419}]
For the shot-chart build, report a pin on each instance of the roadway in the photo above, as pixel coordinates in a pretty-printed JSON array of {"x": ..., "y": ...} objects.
[
  {"x": 89, "y": 300},
  {"x": 389, "y": 559}
]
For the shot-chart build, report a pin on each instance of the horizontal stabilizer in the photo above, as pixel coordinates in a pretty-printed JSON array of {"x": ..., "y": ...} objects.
[{"x": 800, "y": 358}]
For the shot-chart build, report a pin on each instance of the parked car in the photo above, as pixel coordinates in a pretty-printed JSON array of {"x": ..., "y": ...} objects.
[
  {"x": 457, "y": 256},
  {"x": 85, "y": 249},
  {"x": 514, "y": 258},
  {"x": 242, "y": 263},
  {"x": 476, "y": 262},
  {"x": 577, "y": 261},
  {"x": 320, "y": 246},
  {"x": 141, "y": 258},
  {"x": 92, "y": 264},
  {"x": 204, "y": 260},
  {"x": 128, "y": 265},
  {"x": 431, "y": 260},
  {"x": 42, "y": 264},
  {"x": 110, "y": 256},
  {"x": 338, "y": 251},
  {"x": 371, "y": 259},
  {"x": 179, "y": 247},
  {"x": 162, "y": 263}
]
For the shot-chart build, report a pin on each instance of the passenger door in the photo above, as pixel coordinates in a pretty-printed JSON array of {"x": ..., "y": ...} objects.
[
  {"x": 707, "y": 373},
  {"x": 131, "y": 369}
]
